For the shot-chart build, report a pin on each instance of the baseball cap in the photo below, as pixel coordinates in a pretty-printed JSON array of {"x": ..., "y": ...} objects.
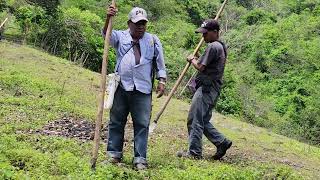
[
  {"x": 137, "y": 14},
  {"x": 207, "y": 25}
]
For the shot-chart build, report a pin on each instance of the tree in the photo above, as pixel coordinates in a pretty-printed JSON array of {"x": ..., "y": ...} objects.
[
  {"x": 50, "y": 6},
  {"x": 30, "y": 18},
  {"x": 3, "y": 5}
]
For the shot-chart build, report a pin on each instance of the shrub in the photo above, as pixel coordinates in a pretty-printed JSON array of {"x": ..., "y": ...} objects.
[{"x": 259, "y": 16}]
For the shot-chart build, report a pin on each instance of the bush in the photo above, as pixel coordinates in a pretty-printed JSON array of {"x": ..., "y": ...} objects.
[
  {"x": 3, "y": 5},
  {"x": 259, "y": 16},
  {"x": 32, "y": 21},
  {"x": 76, "y": 36}
]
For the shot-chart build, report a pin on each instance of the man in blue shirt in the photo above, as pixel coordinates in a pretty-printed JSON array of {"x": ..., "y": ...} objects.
[{"x": 135, "y": 49}]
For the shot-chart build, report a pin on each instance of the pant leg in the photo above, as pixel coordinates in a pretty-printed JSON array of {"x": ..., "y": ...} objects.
[
  {"x": 213, "y": 135},
  {"x": 140, "y": 108},
  {"x": 118, "y": 119},
  {"x": 196, "y": 123}
]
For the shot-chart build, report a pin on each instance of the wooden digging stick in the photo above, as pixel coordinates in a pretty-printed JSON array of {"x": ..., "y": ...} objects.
[
  {"x": 173, "y": 90},
  {"x": 185, "y": 87},
  {"x": 96, "y": 140},
  {"x": 3, "y": 23}
]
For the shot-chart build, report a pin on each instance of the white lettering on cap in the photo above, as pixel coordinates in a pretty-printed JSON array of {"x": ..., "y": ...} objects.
[{"x": 139, "y": 12}]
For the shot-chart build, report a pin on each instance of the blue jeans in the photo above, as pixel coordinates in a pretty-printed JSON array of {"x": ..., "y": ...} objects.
[
  {"x": 199, "y": 121},
  {"x": 139, "y": 105}
]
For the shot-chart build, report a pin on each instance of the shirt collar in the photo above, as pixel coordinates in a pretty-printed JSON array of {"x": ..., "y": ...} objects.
[{"x": 130, "y": 37}]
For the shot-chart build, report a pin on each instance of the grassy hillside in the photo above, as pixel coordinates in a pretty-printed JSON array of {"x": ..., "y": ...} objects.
[
  {"x": 273, "y": 72},
  {"x": 37, "y": 89}
]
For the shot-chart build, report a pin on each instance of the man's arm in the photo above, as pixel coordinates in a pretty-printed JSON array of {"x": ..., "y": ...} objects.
[
  {"x": 111, "y": 11},
  {"x": 194, "y": 61},
  {"x": 161, "y": 68},
  {"x": 205, "y": 59}
]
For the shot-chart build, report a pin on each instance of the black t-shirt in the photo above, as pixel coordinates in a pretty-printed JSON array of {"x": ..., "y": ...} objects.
[{"x": 214, "y": 59}]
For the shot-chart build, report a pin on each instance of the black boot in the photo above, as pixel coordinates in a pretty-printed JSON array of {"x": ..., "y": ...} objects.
[{"x": 222, "y": 149}]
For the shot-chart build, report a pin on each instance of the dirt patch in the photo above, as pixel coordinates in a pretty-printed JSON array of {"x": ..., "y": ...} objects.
[{"x": 81, "y": 129}]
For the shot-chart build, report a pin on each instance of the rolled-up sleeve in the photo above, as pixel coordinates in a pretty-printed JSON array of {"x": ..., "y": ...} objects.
[{"x": 161, "y": 73}]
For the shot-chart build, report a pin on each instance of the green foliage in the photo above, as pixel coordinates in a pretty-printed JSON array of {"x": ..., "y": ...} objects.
[
  {"x": 229, "y": 101},
  {"x": 6, "y": 170},
  {"x": 272, "y": 69},
  {"x": 281, "y": 88},
  {"x": 259, "y": 16},
  {"x": 74, "y": 35},
  {"x": 49, "y": 5},
  {"x": 3, "y": 5},
  {"x": 69, "y": 164},
  {"x": 200, "y": 10},
  {"x": 227, "y": 172},
  {"x": 175, "y": 42},
  {"x": 71, "y": 90},
  {"x": 271, "y": 79},
  {"x": 162, "y": 9},
  {"x": 300, "y": 6},
  {"x": 97, "y": 7},
  {"x": 31, "y": 19},
  {"x": 245, "y": 3},
  {"x": 265, "y": 4}
]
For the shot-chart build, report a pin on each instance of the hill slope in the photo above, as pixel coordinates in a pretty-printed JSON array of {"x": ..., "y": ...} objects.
[{"x": 37, "y": 89}]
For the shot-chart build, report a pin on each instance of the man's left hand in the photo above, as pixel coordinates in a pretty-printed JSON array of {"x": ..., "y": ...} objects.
[{"x": 160, "y": 89}]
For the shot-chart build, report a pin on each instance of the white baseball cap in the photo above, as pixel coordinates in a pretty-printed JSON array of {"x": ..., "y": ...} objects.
[{"x": 137, "y": 14}]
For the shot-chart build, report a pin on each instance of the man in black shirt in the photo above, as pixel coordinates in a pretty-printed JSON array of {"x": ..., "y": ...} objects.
[{"x": 208, "y": 83}]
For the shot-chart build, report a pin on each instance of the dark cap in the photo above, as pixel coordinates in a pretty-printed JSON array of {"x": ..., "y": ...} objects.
[{"x": 208, "y": 25}]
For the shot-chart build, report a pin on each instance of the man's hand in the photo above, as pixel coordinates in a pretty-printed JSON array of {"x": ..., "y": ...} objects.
[
  {"x": 111, "y": 11},
  {"x": 160, "y": 89},
  {"x": 194, "y": 61},
  {"x": 191, "y": 57}
]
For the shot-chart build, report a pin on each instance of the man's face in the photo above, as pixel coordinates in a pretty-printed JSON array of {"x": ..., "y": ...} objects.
[
  {"x": 137, "y": 29},
  {"x": 210, "y": 36}
]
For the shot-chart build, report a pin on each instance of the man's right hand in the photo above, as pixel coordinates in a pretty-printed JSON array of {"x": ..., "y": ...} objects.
[
  {"x": 111, "y": 11},
  {"x": 191, "y": 57}
]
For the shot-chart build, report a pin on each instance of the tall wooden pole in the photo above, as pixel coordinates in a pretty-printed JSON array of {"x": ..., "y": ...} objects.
[
  {"x": 185, "y": 87},
  {"x": 3, "y": 23},
  {"x": 173, "y": 90},
  {"x": 102, "y": 93}
]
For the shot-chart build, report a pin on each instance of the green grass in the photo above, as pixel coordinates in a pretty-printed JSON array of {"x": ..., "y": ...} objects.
[{"x": 36, "y": 88}]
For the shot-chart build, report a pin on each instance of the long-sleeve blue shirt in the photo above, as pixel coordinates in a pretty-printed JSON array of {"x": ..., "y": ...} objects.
[{"x": 139, "y": 75}]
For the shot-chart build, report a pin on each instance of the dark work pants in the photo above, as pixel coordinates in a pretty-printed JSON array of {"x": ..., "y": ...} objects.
[
  {"x": 199, "y": 121},
  {"x": 139, "y": 105}
]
